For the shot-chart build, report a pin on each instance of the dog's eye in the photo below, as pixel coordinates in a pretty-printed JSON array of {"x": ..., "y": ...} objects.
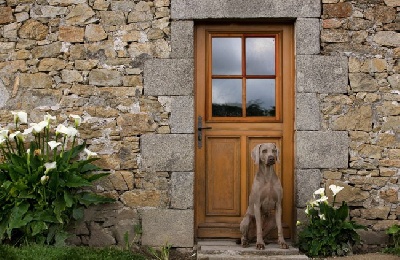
[
  {"x": 274, "y": 151},
  {"x": 264, "y": 151}
]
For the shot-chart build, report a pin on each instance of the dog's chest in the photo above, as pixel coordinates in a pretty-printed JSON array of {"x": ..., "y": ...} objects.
[{"x": 269, "y": 198}]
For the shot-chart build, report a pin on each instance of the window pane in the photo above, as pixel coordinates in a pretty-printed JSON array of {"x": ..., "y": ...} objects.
[
  {"x": 260, "y": 94},
  {"x": 226, "y": 56},
  {"x": 227, "y": 97},
  {"x": 260, "y": 56}
]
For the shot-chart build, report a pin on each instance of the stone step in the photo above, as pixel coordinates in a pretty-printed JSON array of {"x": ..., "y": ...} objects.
[{"x": 228, "y": 249}]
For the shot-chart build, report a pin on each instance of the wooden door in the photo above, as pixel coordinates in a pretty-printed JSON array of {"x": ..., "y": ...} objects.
[{"x": 244, "y": 96}]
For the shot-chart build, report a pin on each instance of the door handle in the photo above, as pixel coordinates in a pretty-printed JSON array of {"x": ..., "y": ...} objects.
[{"x": 200, "y": 129}]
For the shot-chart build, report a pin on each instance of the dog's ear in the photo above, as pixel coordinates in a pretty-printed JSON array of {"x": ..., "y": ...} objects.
[{"x": 255, "y": 154}]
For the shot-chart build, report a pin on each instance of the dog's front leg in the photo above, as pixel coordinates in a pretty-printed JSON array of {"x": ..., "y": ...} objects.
[
  {"x": 257, "y": 213},
  {"x": 278, "y": 216},
  {"x": 244, "y": 229}
]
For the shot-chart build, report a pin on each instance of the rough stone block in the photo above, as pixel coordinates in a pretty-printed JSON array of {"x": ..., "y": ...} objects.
[
  {"x": 182, "y": 190},
  {"x": 172, "y": 152},
  {"x": 322, "y": 74},
  {"x": 6, "y": 15},
  {"x": 113, "y": 17},
  {"x": 307, "y": 181},
  {"x": 182, "y": 115},
  {"x": 356, "y": 118},
  {"x": 34, "y": 30},
  {"x": 105, "y": 77},
  {"x": 46, "y": 11},
  {"x": 37, "y": 80},
  {"x": 100, "y": 237},
  {"x": 387, "y": 38},
  {"x": 95, "y": 32},
  {"x": 4, "y": 95},
  {"x": 174, "y": 227},
  {"x": 201, "y": 9},
  {"x": 354, "y": 196},
  {"x": 168, "y": 77},
  {"x": 51, "y": 50},
  {"x": 142, "y": 198},
  {"x": 79, "y": 15},
  {"x": 339, "y": 10},
  {"x": 71, "y": 34},
  {"x": 322, "y": 149},
  {"x": 182, "y": 39},
  {"x": 307, "y": 36},
  {"x": 307, "y": 112},
  {"x": 373, "y": 238}
]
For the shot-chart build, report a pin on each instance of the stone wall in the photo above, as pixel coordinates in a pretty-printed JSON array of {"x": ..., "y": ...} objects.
[
  {"x": 87, "y": 57},
  {"x": 127, "y": 68},
  {"x": 367, "y": 33}
]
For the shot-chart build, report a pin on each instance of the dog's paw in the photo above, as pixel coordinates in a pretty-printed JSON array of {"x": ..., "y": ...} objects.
[
  {"x": 283, "y": 244},
  {"x": 244, "y": 243},
  {"x": 260, "y": 246}
]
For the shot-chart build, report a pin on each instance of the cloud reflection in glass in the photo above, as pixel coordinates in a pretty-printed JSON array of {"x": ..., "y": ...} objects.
[{"x": 228, "y": 76}]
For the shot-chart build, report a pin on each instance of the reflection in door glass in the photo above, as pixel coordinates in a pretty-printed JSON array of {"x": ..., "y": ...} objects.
[
  {"x": 260, "y": 56},
  {"x": 227, "y": 97},
  {"x": 260, "y": 94},
  {"x": 226, "y": 56}
]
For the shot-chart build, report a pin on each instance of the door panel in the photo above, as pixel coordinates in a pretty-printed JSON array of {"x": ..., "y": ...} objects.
[
  {"x": 244, "y": 97},
  {"x": 223, "y": 176}
]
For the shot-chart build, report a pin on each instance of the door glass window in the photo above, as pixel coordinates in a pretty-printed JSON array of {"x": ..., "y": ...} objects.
[
  {"x": 243, "y": 75},
  {"x": 260, "y": 97},
  {"x": 227, "y": 97},
  {"x": 226, "y": 56},
  {"x": 260, "y": 56}
]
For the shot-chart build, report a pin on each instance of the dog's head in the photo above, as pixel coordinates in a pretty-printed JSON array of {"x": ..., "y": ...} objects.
[{"x": 266, "y": 153}]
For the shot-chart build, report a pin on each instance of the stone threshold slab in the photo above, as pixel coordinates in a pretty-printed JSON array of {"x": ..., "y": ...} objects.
[{"x": 228, "y": 249}]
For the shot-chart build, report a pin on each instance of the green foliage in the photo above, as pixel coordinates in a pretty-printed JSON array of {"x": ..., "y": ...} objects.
[
  {"x": 162, "y": 254},
  {"x": 138, "y": 231},
  {"x": 37, "y": 252},
  {"x": 328, "y": 231},
  {"x": 43, "y": 188},
  {"x": 394, "y": 232}
]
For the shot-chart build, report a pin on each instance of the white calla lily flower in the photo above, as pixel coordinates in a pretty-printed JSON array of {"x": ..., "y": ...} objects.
[
  {"x": 72, "y": 131},
  {"x": 28, "y": 131},
  {"x": 61, "y": 129},
  {"x": 320, "y": 192},
  {"x": 89, "y": 153},
  {"x": 50, "y": 166},
  {"x": 4, "y": 133},
  {"x": 53, "y": 144},
  {"x": 77, "y": 119},
  {"x": 49, "y": 118},
  {"x": 37, "y": 128},
  {"x": 68, "y": 131},
  {"x": 20, "y": 117},
  {"x": 2, "y": 139},
  {"x": 335, "y": 189},
  {"x": 17, "y": 134},
  {"x": 44, "y": 179},
  {"x": 322, "y": 199}
]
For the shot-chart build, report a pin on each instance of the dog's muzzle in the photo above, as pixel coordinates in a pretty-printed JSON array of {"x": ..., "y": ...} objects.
[{"x": 270, "y": 160}]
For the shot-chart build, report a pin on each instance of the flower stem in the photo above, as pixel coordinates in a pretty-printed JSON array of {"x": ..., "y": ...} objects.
[
  {"x": 70, "y": 152},
  {"x": 47, "y": 131}
]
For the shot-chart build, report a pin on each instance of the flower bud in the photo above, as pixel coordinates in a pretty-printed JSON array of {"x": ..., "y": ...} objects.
[
  {"x": 44, "y": 179},
  {"x": 37, "y": 152}
]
